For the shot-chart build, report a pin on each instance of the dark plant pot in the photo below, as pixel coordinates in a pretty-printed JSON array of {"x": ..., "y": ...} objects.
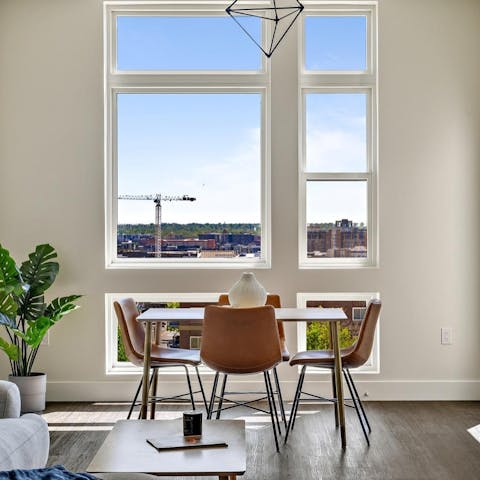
[{"x": 33, "y": 391}]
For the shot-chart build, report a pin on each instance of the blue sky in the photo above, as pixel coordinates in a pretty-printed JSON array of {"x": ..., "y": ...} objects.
[
  {"x": 208, "y": 145},
  {"x": 186, "y": 43},
  {"x": 203, "y": 145},
  {"x": 335, "y": 43}
]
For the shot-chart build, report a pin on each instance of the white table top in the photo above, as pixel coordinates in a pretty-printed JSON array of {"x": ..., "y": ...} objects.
[
  {"x": 284, "y": 314},
  {"x": 126, "y": 450}
]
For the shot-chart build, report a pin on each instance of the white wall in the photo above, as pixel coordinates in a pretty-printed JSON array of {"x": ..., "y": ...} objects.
[{"x": 51, "y": 190}]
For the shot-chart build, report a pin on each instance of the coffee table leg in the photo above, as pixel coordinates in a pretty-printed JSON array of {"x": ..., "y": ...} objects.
[
  {"x": 146, "y": 370},
  {"x": 339, "y": 381},
  {"x": 227, "y": 477}
]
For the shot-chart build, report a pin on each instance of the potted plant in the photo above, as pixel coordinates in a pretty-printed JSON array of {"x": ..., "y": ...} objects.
[{"x": 27, "y": 318}]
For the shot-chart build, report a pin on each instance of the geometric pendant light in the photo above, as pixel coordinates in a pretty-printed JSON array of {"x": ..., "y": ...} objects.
[{"x": 281, "y": 13}]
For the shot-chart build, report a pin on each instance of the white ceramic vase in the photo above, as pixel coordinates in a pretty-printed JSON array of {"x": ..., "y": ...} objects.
[
  {"x": 247, "y": 292},
  {"x": 32, "y": 391}
]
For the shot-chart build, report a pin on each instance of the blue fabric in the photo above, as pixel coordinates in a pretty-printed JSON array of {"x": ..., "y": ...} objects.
[{"x": 58, "y": 472}]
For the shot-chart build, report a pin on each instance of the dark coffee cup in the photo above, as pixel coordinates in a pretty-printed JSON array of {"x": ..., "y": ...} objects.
[{"x": 192, "y": 424}]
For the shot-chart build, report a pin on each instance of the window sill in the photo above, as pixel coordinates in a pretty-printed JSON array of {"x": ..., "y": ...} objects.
[
  {"x": 148, "y": 264},
  {"x": 336, "y": 264}
]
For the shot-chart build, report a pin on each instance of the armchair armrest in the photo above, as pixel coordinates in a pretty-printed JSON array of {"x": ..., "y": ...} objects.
[{"x": 9, "y": 400}]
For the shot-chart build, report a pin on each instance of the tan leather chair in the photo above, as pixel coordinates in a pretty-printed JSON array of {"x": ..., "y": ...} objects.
[
  {"x": 133, "y": 338},
  {"x": 352, "y": 357},
  {"x": 241, "y": 341},
  {"x": 274, "y": 301}
]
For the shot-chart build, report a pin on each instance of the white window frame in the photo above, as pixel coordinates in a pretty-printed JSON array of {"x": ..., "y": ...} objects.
[
  {"x": 341, "y": 82},
  {"x": 112, "y": 365},
  {"x": 116, "y": 82},
  {"x": 373, "y": 363}
]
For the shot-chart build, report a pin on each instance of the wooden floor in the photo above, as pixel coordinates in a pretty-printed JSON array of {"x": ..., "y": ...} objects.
[{"x": 410, "y": 440}]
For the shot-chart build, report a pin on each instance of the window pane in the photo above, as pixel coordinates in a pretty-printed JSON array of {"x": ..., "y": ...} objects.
[
  {"x": 336, "y": 133},
  {"x": 318, "y": 333},
  {"x": 186, "y": 43},
  {"x": 206, "y": 146},
  {"x": 336, "y": 219},
  {"x": 335, "y": 43}
]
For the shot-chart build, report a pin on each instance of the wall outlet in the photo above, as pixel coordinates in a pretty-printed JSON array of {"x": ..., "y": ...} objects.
[{"x": 446, "y": 336}]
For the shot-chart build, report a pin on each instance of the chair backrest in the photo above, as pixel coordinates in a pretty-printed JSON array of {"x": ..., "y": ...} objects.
[
  {"x": 272, "y": 299},
  {"x": 240, "y": 340},
  {"x": 131, "y": 331},
  {"x": 363, "y": 346}
]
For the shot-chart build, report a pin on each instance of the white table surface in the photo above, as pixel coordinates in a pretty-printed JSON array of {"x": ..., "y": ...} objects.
[
  {"x": 126, "y": 450},
  {"x": 284, "y": 314}
]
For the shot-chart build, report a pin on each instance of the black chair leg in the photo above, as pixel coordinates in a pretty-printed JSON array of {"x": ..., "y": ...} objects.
[
  {"x": 154, "y": 393},
  {"x": 222, "y": 394},
  {"x": 273, "y": 403},
  {"x": 296, "y": 399},
  {"x": 301, "y": 380},
  {"x": 189, "y": 383},
  {"x": 270, "y": 404},
  {"x": 132, "y": 406},
  {"x": 359, "y": 401},
  {"x": 334, "y": 391},
  {"x": 201, "y": 389},
  {"x": 357, "y": 409},
  {"x": 212, "y": 397},
  {"x": 279, "y": 395}
]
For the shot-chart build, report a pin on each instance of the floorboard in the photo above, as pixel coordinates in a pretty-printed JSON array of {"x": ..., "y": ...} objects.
[{"x": 410, "y": 441}]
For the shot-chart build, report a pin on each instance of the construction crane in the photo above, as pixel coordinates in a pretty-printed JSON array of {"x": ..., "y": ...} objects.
[{"x": 157, "y": 200}]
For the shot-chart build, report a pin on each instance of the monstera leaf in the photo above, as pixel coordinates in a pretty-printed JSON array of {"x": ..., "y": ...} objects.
[
  {"x": 39, "y": 272},
  {"x": 36, "y": 330},
  {"x": 8, "y": 309},
  {"x": 10, "y": 277},
  {"x": 11, "y": 286},
  {"x": 60, "y": 307},
  {"x": 10, "y": 349}
]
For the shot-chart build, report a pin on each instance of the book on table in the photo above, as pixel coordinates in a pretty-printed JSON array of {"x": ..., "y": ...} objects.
[{"x": 178, "y": 442}]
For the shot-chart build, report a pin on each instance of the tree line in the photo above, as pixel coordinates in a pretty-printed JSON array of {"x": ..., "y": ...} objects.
[{"x": 190, "y": 230}]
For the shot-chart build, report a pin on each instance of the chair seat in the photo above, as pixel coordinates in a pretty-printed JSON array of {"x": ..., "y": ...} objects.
[
  {"x": 161, "y": 355},
  {"x": 322, "y": 358},
  {"x": 175, "y": 355}
]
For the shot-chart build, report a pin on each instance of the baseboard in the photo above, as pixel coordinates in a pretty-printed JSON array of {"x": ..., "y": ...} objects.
[{"x": 387, "y": 390}]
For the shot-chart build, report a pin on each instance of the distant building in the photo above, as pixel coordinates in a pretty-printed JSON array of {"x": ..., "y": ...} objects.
[
  {"x": 188, "y": 244},
  {"x": 344, "y": 239},
  {"x": 174, "y": 245}
]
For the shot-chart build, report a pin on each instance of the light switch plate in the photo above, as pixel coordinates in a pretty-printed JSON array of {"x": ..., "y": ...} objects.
[{"x": 446, "y": 336}]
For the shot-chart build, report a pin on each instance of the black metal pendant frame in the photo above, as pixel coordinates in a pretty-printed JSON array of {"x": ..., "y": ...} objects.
[{"x": 259, "y": 12}]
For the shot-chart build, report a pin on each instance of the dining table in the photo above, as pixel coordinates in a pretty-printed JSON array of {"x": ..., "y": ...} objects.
[{"x": 333, "y": 316}]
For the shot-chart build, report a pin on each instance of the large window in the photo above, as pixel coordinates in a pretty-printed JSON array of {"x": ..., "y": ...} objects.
[
  {"x": 338, "y": 155},
  {"x": 188, "y": 136},
  {"x": 187, "y": 160}
]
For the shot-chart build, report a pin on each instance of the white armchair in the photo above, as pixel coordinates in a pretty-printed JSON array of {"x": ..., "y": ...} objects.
[{"x": 24, "y": 440}]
